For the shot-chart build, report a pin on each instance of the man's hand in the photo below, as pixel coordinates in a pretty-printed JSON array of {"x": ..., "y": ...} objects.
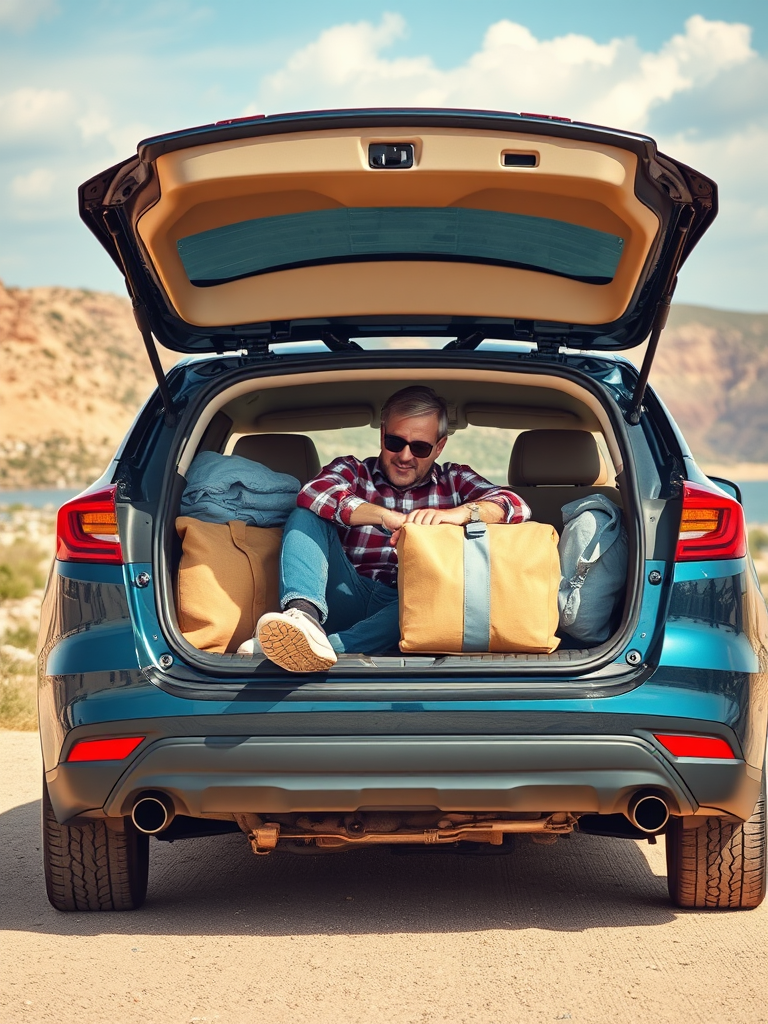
[
  {"x": 376, "y": 515},
  {"x": 431, "y": 517},
  {"x": 490, "y": 512},
  {"x": 368, "y": 514},
  {"x": 434, "y": 516}
]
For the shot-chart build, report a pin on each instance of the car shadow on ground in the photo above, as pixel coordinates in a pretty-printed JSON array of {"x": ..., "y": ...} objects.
[{"x": 216, "y": 886}]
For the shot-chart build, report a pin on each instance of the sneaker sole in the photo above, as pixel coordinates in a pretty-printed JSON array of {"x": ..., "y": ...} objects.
[{"x": 288, "y": 647}]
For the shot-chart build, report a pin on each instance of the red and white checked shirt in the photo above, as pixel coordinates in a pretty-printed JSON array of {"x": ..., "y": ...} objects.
[{"x": 347, "y": 483}]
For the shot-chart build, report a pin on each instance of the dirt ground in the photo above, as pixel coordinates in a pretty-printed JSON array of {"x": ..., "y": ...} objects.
[{"x": 579, "y": 931}]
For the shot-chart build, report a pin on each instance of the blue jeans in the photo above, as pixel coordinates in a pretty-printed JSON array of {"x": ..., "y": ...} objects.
[{"x": 358, "y": 614}]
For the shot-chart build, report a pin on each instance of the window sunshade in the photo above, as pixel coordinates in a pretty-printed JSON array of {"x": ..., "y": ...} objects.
[{"x": 373, "y": 233}]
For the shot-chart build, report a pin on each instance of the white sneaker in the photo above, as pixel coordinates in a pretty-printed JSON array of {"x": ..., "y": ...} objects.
[
  {"x": 251, "y": 647},
  {"x": 294, "y": 641}
]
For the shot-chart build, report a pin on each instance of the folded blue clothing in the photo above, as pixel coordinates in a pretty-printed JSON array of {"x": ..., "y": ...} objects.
[{"x": 224, "y": 487}]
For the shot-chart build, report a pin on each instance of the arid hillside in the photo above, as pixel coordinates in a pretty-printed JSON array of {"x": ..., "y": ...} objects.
[
  {"x": 711, "y": 369},
  {"x": 74, "y": 373}
]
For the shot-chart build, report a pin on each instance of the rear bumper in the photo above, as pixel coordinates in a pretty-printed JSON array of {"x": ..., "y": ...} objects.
[{"x": 223, "y": 775}]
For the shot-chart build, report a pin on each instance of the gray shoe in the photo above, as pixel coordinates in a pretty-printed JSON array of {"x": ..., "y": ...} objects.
[{"x": 294, "y": 641}]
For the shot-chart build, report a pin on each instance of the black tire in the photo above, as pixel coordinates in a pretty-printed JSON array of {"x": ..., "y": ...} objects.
[
  {"x": 92, "y": 867},
  {"x": 719, "y": 864}
]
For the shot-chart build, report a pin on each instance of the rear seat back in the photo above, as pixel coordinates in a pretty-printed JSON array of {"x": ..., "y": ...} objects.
[
  {"x": 284, "y": 453},
  {"x": 549, "y": 468}
]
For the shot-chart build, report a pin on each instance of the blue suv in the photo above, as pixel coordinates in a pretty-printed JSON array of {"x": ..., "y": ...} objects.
[{"x": 308, "y": 266}]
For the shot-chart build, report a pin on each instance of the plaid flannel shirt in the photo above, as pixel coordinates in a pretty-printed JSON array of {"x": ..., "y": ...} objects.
[{"x": 347, "y": 483}]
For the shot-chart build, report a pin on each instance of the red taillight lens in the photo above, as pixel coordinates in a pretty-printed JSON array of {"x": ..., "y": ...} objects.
[
  {"x": 712, "y": 526},
  {"x": 104, "y": 750},
  {"x": 87, "y": 529},
  {"x": 697, "y": 746}
]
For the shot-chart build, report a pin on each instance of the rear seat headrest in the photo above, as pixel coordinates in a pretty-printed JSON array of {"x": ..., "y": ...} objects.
[
  {"x": 284, "y": 453},
  {"x": 565, "y": 457}
]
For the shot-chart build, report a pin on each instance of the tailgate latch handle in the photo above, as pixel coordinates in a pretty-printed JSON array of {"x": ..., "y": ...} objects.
[{"x": 390, "y": 155}]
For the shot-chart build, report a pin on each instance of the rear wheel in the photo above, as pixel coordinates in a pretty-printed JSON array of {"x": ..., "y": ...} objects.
[
  {"x": 718, "y": 864},
  {"x": 92, "y": 867}
]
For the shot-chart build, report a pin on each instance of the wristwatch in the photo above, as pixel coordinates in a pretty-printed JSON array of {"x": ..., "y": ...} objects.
[{"x": 474, "y": 512}]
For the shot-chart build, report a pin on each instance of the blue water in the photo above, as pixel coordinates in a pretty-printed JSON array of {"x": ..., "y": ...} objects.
[
  {"x": 37, "y": 499},
  {"x": 754, "y": 493}
]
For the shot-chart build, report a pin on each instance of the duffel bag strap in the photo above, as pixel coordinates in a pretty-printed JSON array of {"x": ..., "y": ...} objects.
[{"x": 477, "y": 588}]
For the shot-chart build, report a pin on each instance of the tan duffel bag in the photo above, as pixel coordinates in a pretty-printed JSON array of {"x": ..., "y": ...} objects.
[
  {"x": 478, "y": 588},
  {"x": 227, "y": 579}
]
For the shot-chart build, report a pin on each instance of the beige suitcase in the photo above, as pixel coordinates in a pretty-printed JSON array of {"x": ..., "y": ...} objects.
[
  {"x": 478, "y": 588},
  {"x": 227, "y": 579}
]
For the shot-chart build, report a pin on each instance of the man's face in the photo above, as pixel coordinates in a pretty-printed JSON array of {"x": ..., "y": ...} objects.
[{"x": 403, "y": 469}]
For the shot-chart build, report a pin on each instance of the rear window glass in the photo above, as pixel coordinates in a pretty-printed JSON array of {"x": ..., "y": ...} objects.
[{"x": 373, "y": 233}]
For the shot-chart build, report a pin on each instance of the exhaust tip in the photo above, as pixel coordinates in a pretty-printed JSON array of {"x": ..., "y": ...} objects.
[
  {"x": 648, "y": 812},
  {"x": 152, "y": 813}
]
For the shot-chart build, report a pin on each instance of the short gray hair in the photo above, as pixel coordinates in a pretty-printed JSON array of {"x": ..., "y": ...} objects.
[{"x": 417, "y": 401}]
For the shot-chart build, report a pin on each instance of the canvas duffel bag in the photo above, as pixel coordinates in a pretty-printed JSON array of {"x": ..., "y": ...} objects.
[
  {"x": 593, "y": 564},
  {"x": 227, "y": 579},
  {"x": 478, "y": 588}
]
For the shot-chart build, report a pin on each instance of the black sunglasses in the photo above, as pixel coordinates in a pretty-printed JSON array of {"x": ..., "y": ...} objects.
[{"x": 419, "y": 449}]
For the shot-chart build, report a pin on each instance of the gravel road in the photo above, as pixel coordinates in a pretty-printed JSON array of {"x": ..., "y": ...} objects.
[{"x": 578, "y": 931}]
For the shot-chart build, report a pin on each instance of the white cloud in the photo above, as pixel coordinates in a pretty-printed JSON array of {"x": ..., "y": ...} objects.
[
  {"x": 36, "y": 184},
  {"x": 614, "y": 83},
  {"x": 93, "y": 124},
  {"x": 29, "y": 111},
  {"x": 21, "y": 15},
  {"x": 348, "y": 57},
  {"x": 684, "y": 63}
]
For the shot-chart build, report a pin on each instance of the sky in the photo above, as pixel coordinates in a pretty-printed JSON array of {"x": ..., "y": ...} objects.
[{"x": 83, "y": 81}]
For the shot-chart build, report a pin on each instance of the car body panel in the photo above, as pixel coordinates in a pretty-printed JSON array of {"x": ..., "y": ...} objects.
[
  {"x": 184, "y": 185},
  {"x": 204, "y": 188},
  {"x": 699, "y": 642},
  {"x": 223, "y": 774}
]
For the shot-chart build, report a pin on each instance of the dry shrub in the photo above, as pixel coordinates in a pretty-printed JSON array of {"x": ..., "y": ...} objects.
[
  {"x": 18, "y": 693},
  {"x": 20, "y": 569}
]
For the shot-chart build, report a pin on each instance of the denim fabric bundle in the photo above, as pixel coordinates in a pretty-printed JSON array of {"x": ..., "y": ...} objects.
[
  {"x": 221, "y": 488},
  {"x": 593, "y": 563}
]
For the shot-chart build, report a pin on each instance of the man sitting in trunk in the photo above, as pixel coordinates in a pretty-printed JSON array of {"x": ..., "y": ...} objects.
[{"x": 338, "y": 562}]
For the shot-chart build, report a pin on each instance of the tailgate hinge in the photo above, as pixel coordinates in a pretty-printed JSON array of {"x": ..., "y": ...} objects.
[
  {"x": 549, "y": 347},
  {"x": 258, "y": 347}
]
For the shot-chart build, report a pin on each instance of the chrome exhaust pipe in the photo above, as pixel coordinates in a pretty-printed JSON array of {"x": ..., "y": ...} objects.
[
  {"x": 648, "y": 812},
  {"x": 152, "y": 812}
]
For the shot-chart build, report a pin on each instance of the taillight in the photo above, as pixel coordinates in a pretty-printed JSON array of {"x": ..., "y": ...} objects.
[
  {"x": 712, "y": 526},
  {"x": 697, "y": 746},
  {"x": 104, "y": 750},
  {"x": 86, "y": 529}
]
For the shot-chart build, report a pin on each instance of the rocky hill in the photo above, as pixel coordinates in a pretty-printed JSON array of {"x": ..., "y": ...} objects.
[
  {"x": 711, "y": 369},
  {"x": 74, "y": 373}
]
